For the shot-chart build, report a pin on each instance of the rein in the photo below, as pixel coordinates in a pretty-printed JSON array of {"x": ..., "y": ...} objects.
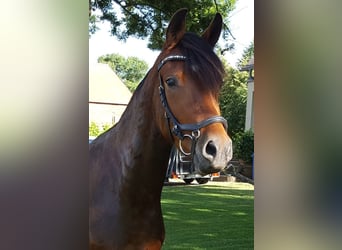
[{"x": 179, "y": 128}]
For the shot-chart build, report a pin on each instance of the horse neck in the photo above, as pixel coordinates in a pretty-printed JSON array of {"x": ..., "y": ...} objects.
[{"x": 146, "y": 152}]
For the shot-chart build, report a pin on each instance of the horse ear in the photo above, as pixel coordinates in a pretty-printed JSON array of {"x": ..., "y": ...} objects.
[
  {"x": 176, "y": 29},
  {"x": 212, "y": 33}
]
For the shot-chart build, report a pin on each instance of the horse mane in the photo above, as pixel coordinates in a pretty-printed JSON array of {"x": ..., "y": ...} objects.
[{"x": 202, "y": 63}]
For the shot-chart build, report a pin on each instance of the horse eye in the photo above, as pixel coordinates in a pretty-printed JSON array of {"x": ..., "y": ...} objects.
[{"x": 171, "y": 82}]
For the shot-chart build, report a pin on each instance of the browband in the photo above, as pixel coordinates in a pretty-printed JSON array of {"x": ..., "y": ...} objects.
[{"x": 171, "y": 58}]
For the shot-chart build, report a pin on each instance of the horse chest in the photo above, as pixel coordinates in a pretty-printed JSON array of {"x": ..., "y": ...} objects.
[
  {"x": 131, "y": 228},
  {"x": 129, "y": 218}
]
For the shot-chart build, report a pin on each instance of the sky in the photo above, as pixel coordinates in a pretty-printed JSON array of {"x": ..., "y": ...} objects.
[{"x": 241, "y": 26}]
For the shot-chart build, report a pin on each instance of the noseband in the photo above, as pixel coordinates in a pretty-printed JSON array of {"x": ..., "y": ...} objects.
[{"x": 178, "y": 128}]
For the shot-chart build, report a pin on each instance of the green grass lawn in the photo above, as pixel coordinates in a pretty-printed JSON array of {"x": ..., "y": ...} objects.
[{"x": 211, "y": 216}]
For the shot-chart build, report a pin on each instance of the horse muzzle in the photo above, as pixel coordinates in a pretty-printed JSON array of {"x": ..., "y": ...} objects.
[{"x": 212, "y": 153}]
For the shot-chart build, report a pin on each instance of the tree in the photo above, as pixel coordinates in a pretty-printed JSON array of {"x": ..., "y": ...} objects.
[
  {"x": 130, "y": 70},
  {"x": 95, "y": 129},
  {"x": 148, "y": 18},
  {"x": 248, "y": 53},
  {"x": 233, "y": 99}
]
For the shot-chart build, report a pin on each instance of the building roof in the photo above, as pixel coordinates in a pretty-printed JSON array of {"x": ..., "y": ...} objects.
[{"x": 105, "y": 86}]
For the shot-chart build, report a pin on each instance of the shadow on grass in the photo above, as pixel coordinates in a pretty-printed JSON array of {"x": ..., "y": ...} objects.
[{"x": 208, "y": 217}]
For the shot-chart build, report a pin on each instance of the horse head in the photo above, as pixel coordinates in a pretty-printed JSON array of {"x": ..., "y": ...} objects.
[{"x": 190, "y": 76}]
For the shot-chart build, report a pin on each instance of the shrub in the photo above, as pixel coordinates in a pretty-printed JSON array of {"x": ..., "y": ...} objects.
[
  {"x": 95, "y": 129},
  {"x": 243, "y": 146},
  {"x": 106, "y": 126}
]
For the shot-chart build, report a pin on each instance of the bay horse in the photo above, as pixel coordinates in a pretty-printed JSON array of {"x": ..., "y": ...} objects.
[{"x": 175, "y": 104}]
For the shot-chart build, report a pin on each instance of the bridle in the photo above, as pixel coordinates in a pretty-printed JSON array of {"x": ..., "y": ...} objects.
[{"x": 179, "y": 128}]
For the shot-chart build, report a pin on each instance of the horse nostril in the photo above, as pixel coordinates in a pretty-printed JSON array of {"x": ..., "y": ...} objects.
[{"x": 210, "y": 149}]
